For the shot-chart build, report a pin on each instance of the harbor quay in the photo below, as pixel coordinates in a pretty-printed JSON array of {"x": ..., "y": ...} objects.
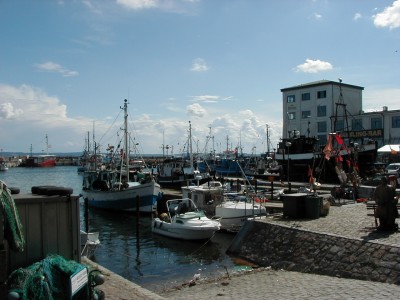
[{"x": 337, "y": 256}]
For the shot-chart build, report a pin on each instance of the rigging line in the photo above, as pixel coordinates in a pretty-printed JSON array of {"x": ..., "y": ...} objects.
[
  {"x": 111, "y": 126},
  {"x": 205, "y": 243}
]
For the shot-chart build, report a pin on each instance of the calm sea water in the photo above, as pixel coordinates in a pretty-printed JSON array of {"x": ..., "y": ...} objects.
[{"x": 131, "y": 250}]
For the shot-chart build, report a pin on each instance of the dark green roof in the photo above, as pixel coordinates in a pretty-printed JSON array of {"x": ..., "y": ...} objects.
[{"x": 320, "y": 83}]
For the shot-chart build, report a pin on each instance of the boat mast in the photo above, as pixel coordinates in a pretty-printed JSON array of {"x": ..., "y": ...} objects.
[
  {"x": 47, "y": 144},
  {"x": 126, "y": 137},
  {"x": 268, "y": 140},
  {"x": 190, "y": 145}
]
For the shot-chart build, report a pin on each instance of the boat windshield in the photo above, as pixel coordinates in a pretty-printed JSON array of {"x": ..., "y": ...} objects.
[{"x": 181, "y": 206}]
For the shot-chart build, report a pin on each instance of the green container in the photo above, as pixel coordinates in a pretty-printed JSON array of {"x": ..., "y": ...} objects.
[{"x": 313, "y": 206}]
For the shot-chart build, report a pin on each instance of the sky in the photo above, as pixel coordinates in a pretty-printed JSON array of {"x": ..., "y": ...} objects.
[{"x": 67, "y": 66}]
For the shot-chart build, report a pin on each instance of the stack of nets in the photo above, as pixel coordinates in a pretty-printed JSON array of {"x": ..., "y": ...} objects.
[
  {"x": 12, "y": 224},
  {"x": 45, "y": 280}
]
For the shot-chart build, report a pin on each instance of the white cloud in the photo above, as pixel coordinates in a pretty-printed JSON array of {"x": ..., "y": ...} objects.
[
  {"x": 357, "y": 16},
  {"x": 89, "y": 4},
  {"x": 375, "y": 98},
  {"x": 7, "y": 111},
  {"x": 196, "y": 110},
  {"x": 390, "y": 17},
  {"x": 56, "y": 68},
  {"x": 317, "y": 16},
  {"x": 205, "y": 98},
  {"x": 28, "y": 113},
  {"x": 199, "y": 65},
  {"x": 314, "y": 66},
  {"x": 138, "y": 4}
]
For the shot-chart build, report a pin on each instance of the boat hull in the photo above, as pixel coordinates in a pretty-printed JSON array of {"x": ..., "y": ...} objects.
[
  {"x": 233, "y": 214},
  {"x": 197, "y": 229},
  {"x": 142, "y": 198}
]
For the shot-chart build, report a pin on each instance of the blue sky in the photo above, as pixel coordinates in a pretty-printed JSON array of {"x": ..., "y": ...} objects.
[{"x": 67, "y": 66}]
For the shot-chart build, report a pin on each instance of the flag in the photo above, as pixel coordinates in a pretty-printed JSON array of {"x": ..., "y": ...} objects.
[
  {"x": 339, "y": 139},
  {"x": 328, "y": 148},
  {"x": 310, "y": 175}
]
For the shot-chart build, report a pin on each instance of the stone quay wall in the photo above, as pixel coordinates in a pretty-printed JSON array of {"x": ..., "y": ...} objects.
[{"x": 293, "y": 249}]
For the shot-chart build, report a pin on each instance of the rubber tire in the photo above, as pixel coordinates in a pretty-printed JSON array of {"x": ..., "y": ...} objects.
[
  {"x": 60, "y": 191},
  {"x": 14, "y": 190},
  {"x": 38, "y": 190}
]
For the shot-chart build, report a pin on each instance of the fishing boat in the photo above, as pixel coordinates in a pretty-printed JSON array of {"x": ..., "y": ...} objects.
[
  {"x": 227, "y": 163},
  {"x": 181, "y": 219},
  {"x": 119, "y": 187},
  {"x": 3, "y": 165},
  {"x": 175, "y": 172},
  {"x": 42, "y": 160}
]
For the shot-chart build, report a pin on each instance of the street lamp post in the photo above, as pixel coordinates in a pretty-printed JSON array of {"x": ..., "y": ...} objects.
[{"x": 288, "y": 144}]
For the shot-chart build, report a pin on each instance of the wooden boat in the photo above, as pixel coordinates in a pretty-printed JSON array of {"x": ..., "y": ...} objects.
[{"x": 181, "y": 219}]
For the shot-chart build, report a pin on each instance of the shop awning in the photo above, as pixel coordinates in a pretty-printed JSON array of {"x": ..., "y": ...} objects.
[{"x": 390, "y": 148}]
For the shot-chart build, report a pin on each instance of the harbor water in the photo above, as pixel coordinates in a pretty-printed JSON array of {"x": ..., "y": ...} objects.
[{"x": 128, "y": 247}]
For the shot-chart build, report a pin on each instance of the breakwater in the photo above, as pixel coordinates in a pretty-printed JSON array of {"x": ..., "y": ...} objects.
[{"x": 296, "y": 249}]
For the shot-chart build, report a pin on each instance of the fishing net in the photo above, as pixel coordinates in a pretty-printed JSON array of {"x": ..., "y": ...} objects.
[
  {"x": 47, "y": 279},
  {"x": 12, "y": 224}
]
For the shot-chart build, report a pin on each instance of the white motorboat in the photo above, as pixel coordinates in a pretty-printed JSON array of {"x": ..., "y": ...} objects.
[
  {"x": 234, "y": 213},
  {"x": 181, "y": 219}
]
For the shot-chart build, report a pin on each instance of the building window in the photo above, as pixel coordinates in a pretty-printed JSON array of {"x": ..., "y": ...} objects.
[
  {"x": 321, "y": 111},
  {"x": 305, "y": 96},
  {"x": 396, "y": 122},
  {"x": 356, "y": 124},
  {"x": 291, "y": 99},
  {"x": 321, "y": 126},
  {"x": 322, "y": 139},
  {"x": 291, "y": 115},
  {"x": 305, "y": 114},
  {"x": 339, "y": 125},
  {"x": 321, "y": 94},
  {"x": 376, "y": 123}
]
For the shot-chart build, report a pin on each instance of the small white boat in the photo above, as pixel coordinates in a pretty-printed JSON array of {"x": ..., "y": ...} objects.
[
  {"x": 183, "y": 220},
  {"x": 89, "y": 242},
  {"x": 234, "y": 213}
]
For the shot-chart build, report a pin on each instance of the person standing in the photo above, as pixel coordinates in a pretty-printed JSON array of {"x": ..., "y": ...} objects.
[{"x": 386, "y": 211}]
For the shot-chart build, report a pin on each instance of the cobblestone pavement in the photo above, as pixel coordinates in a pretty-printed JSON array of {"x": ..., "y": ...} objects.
[
  {"x": 270, "y": 284},
  {"x": 349, "y": 220}
]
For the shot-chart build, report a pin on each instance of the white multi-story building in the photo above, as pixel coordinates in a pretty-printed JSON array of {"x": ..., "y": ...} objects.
[{"x": 318, "y": 108}]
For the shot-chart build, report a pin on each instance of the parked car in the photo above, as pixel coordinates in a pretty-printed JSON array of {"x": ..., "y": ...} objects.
[
  {"x": 393, "y": 169},
  {"x": 376, "y": 179}
]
